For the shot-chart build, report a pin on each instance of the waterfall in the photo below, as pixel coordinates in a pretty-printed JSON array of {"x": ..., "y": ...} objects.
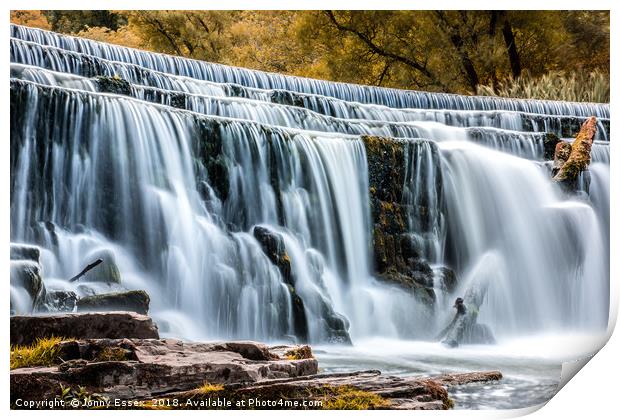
[
  {"x": 241, "y": 200},
  {"x": 219, "y": 73},
  {"x": 502, "y": 202}
]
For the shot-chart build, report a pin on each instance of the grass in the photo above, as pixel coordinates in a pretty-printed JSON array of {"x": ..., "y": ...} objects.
[
  {"x": 208, "y": 388},
  {"x": 349, "y": 398},
  {"x": 43, "y": 352},
  {"x": 575, "y": 87}
]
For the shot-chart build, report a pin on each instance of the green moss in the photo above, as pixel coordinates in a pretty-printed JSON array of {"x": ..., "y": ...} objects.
[
  {"x": 44, "y": 352},
  {"x": 112, "y": 354}
]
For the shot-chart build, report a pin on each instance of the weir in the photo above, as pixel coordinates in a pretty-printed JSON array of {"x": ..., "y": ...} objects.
[
  {"x": 225, "y": 74},
  {"x": 252, "y": 205}
]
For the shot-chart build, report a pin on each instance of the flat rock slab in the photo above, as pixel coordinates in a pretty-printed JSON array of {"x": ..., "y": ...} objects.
[
  {"x": 139, "y": 370},
  {"x": 27, "y": 329},
  {"x": 154, "y": 367},
  {"x": 398, "y": 393}
]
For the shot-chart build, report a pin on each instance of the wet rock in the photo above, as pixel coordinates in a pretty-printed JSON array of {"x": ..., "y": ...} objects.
[
  {"x": 446, "y": 278},
  {"x": 60, "y": 301},
  {"x": 25, "y": 252},
  {"x": 26, "y": 274},
  {"x": 409, "y": 247},
  {"x": 464, "y": 327},
  {"x": 131, "y": 301},
  {"x": 272, "y": 244},
  {"x": 106, "y": 272},
  {"x": 155, "y": 367},
  {"x": 397, "y": 254},
  {"x": 85, "y": 290},
  {"x": 335, "y": 326},
  {"x": 113, "y": 85},
  {"x": 550, "y": 141},
  {"x": 26, "y": 329},
  {"x": 285, "y": 97},
  {"x": 423, "y": 294}
]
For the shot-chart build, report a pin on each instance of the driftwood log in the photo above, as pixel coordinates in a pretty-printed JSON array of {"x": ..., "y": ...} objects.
[{"x": 567, "y": 169}]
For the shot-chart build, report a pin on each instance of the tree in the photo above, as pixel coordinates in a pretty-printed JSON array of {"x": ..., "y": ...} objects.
[{"x": 33, "y": 18}]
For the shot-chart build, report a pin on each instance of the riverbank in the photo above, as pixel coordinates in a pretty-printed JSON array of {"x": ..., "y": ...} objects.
[{"x": 155, "y": 372}]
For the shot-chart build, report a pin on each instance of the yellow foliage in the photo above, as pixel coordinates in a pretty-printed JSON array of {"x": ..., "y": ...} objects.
[
  {"x": 299, "y": 353},
  {"x": 208, "y": 388},
  {"x": 349, "y": 398},
  {"x": 32, "y": 18},
  {"x": 43, "y": 352},
  {"x": 123, "y": 36}
]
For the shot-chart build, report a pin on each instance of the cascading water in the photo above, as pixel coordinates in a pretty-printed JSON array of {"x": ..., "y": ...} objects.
[
  {"x": 498, "y": 203},
  {"x": 185, "y": 173},
  {"x": 224, "y": 74}
]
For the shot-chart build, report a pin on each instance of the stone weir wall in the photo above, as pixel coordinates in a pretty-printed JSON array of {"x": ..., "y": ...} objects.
[{"x": 398, "y": 259}]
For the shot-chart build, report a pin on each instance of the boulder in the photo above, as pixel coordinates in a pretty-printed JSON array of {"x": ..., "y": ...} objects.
[
  {"x": 131, "y": 301},
  {"x": 26, "y": 274},
  {"x": 60, "y": 301},
  {"x": 27, "y": 329},
  {"x": 25, "y": 252},
  {"x": 106, "y": 272}
]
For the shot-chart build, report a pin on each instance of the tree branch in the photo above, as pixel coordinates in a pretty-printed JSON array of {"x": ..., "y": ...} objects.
[{"x": 380, "y": 51}]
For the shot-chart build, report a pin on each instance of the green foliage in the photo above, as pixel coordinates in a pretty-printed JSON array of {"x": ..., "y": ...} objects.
[
  {"x": 81, "y": 398},
  {"x": 577, "y": 86},
  {"x": 44, "y": 352}
]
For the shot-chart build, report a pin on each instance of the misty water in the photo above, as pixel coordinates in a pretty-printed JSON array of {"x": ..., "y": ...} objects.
[{"x": 137, "y": 176}]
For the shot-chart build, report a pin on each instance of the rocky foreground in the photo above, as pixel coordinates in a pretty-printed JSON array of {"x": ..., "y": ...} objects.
[{"x": 150, "y": 372}]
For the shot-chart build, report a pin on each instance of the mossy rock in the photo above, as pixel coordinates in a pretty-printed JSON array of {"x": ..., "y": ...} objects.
[
  {"x": 133, "y": 300},
  {"x": 113, "y": 84}
]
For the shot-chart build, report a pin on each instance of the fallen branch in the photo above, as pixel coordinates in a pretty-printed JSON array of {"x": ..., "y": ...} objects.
[{"x": 86, "y": 270}]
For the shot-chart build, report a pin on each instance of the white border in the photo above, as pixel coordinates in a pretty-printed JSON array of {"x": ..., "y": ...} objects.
[{"x": 592, "y": 394}]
